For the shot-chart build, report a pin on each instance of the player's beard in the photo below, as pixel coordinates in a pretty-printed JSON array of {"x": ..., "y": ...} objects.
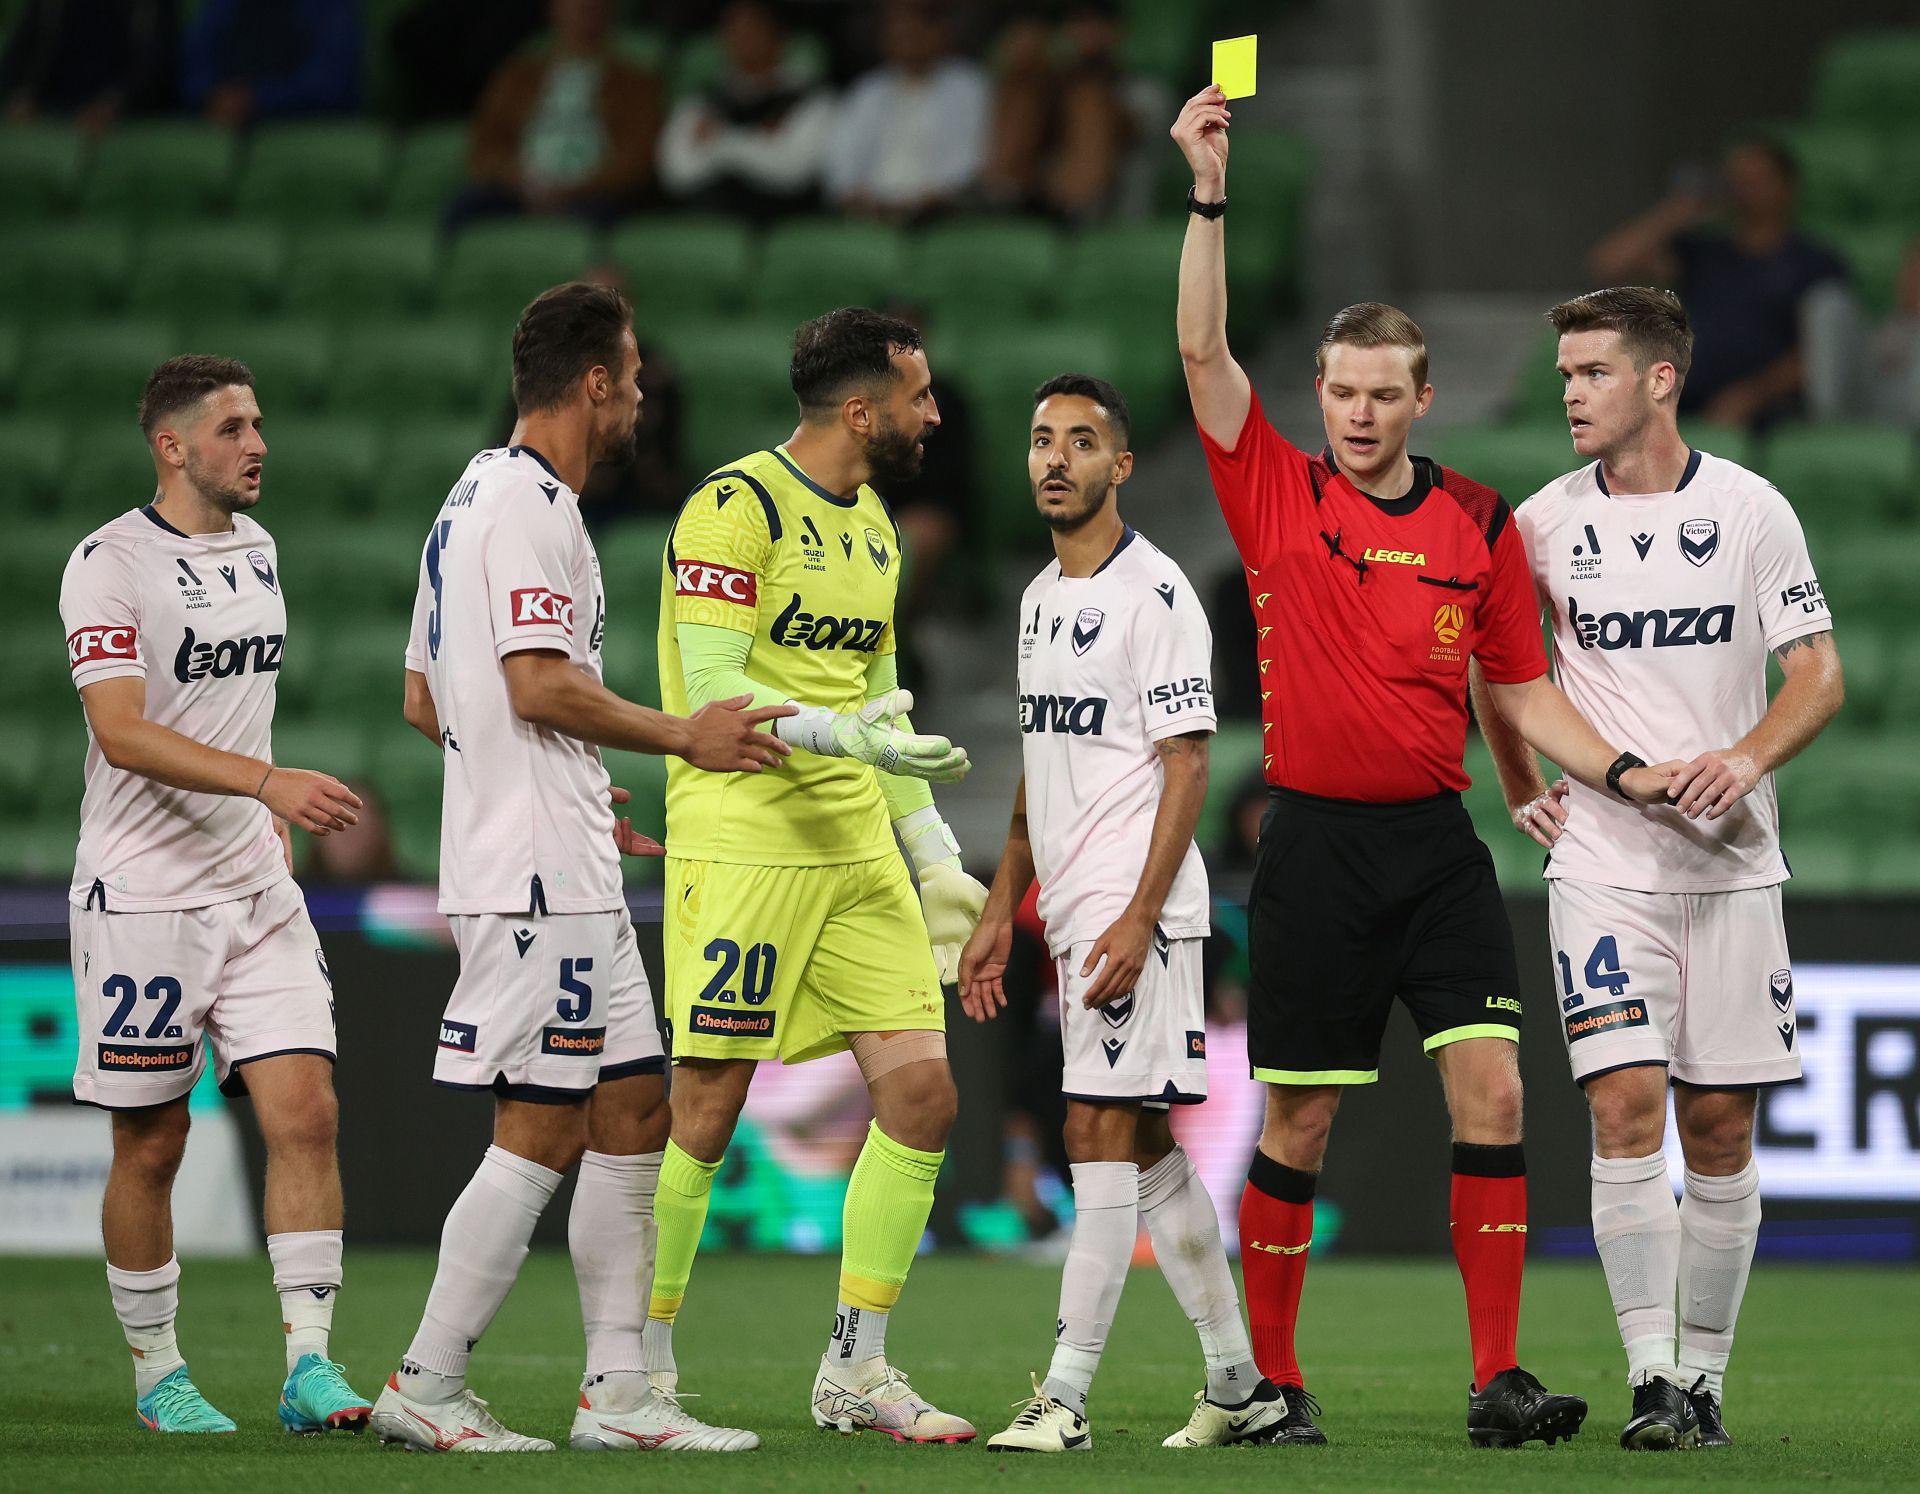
[
  {"x": 228, "y": 499},
  {"x": 623, "y": 447},
  {"x": 893, "y": 453},
  {"x": 1092, "y": 496}
]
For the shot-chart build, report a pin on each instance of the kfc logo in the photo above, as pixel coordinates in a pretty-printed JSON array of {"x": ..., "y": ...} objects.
[
  {"x": 534, "y": 605},
  {"x": 695, "y": 578},
  {"x": 90, "y": 645}
]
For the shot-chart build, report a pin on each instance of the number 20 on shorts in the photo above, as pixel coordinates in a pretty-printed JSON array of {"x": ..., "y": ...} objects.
[{"x": 755, "y": 970}]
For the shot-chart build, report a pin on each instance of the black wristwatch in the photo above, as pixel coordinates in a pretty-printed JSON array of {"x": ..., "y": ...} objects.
[
  {"x": 1206, "y": 209},
  {"x": 1621, "y": 764}
]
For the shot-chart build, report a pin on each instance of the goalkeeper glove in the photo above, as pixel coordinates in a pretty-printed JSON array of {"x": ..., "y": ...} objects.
[
  {"x": 951, "y": 900},
  {"x": 869, "y": 736}
]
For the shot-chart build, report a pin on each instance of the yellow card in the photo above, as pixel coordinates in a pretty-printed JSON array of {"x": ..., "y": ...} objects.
[{"x": 1234, "y": 63}]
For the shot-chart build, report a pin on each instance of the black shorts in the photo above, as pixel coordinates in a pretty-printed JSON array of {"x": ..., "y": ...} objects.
[{"x": 1354, "y": 904}]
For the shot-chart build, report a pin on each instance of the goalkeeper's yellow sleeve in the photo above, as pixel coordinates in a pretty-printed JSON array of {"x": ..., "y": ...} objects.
[{"x": 713, "y": 661}]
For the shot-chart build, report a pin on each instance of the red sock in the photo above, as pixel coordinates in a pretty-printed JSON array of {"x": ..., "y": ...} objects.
[
  {"x": 1276, "y": 1226},
  {"x": 1489, "y": 1210}
]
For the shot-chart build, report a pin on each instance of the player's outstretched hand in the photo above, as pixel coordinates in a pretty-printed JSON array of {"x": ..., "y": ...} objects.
[
  {"x": 1650, "y": 785},
  {"x": 317, "y": 802},
  {"x": 1124, "y": 946},
  {"x": 1544, "y": 817},
  {"x": 627, "y": 840},
  {"x": 721, "y": 736},
  {"x": 1201, "y": 134},
  {"x": 1713, "y": 782},
  {"x": 983, "y": 965},
  {"x": 870, "y": 736}
]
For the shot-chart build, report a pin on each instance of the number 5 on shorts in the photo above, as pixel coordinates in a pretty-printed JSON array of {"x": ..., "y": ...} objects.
[{"x": 576, "y": 1000}]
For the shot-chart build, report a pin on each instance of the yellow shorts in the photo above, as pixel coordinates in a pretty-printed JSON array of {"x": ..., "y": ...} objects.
[{"x": 784, "y": 961}]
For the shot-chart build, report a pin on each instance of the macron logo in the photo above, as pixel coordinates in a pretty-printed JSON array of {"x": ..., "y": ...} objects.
[
  {"x": 696, "y": 578},
  {"x": 89, "y": 645},
  {"x": 531, "y": 606}
]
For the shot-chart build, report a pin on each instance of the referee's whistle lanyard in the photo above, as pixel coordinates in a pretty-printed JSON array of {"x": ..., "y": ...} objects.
[{"x": 1334, "y": 552}]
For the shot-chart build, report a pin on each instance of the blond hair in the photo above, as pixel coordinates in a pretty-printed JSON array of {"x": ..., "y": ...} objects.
[{"x": 1374, "y": 324}]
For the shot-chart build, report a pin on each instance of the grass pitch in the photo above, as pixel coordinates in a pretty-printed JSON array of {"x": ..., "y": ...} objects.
[{"x": 1823, "y": 1391}]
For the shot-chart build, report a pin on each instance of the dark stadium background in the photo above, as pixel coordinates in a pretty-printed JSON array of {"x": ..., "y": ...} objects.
[{"x": 1460, "y": 160}]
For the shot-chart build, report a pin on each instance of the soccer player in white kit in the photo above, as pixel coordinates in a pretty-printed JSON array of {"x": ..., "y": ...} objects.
[
  {"x": 1116, "y": 709},
  {"x": 551, "y": 1013},
  {"x": 1670, "y": 575},
  {"x": 186, "y": 919}
]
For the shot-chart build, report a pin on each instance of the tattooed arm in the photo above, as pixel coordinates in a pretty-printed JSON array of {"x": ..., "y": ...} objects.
[{"x": 1716, "y": 781}]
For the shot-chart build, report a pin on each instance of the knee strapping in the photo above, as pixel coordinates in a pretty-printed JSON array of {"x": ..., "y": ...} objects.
[{"x": 880, "y": 1054}]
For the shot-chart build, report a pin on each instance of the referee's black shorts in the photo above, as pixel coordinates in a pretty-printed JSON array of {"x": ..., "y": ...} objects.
[{"x": 1354, "y": 904}]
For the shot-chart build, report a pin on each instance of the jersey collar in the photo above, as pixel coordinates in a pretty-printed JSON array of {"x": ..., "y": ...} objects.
[
  {"x": 154, "y": 514},
  {"x": 528, "y": 451},
  {"x": 1126, "y": 538},
  {"x": 1693, "y": 466},
  {"x": 1424, "y": 482},
  {"x": 811, "y": 486}
]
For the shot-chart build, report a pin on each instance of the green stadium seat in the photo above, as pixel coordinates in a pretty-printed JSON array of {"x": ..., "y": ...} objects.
[
  {"x": 701, "y": 59},
  {"x": 1163, "y": 40},
  {"x": 36, "y": 449},
  {"x": 1001, "y": 267},
  {"x": 1892, "y": 868},
  {"x": 1867, "y": 658},
  {"x": 631, "y": 555},
  {"x": 1536, "y": 395},
  {"x": 733, "y": 378},
  {"x": 807, "y": 269},
  {"x": 1841, "y": 171},
  {"x": 370, "y": 269},
  {"x": 305, "y": 173},
  {"x": 171, "y": 171},
  {"x": 318, "y": 474},
  {"x": 1823, "y": 861},
  {"x": 428, "y": 168},
  {"x": 1517, "y": 460},
  {"x": 365, "y": 664},
  {"x": 445, "y": 366},
  {"x": 23, "y": 765},
  {"x": 1868, "y": 578},
  {"x": 13, "y": 344},
  {"x": 291, "y": 359},
  {"x": 63, "y": 270},
  {"x": 336, "y": 745},
  {"x": 1731, "y": 443},
  {"x": 231, "y": 268},
  {"x": 495, "y": 269},
  {"x": 1870, "y": 78},
  {"x": 680, "y": 267},
  {"x": 1862, "y": 475},
  {"x": 1900, "y": 178},
  {"x": 91, "y": 365},
  {"x": 367, "y": 572},
  {"x": 40, "y": 165},
  {"x": 1124, "y": 282},
  {"x": 1902, "y": 709},
  {"x": 420, "y": 461},
  {"x": 1874, "y": 253},
  {"x": 109, "y": 470},
  {"x": 1272, "y": 174}
]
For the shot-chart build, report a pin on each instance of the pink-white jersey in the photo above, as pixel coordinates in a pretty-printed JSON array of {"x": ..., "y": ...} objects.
[
  {"x": 1109, "y": 665},
  {"x": 526, "y": 822},
  {"x": 200, "y": 619},
  {"x": 1665, "y": 607}
]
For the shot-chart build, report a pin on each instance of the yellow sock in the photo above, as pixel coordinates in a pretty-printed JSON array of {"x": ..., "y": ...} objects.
[
  {"x": 888, "y": 1200},
  {"x": 680, "y": 1214}
]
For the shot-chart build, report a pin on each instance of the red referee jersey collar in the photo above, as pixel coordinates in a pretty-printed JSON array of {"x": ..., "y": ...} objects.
[{"x": 1426, "y": 477}]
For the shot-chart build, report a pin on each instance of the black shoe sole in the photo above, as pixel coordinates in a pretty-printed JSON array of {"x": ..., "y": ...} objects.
[
  {"x": 1660, "y": 1437},
  {"x": 1563, "y": 1421}
]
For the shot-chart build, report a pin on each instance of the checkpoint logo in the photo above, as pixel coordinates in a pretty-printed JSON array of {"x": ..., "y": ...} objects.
[
  {"x": 530, "y": 606},
  {"x": 700, "y": 578},
  {"x": 90, "y": 645}
]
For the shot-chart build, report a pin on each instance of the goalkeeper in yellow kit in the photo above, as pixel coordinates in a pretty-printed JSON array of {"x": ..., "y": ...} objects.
[{"x": 792, "y": 930}]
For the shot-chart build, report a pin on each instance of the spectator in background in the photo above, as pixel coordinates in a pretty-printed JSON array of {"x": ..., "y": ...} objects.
[
  {"x": 912, "y": 134},
  {"x": 89, "y": 60},
  {"x": 1747, "y": 283},
  {"x": 241, "y": 63},
  {"x": 1062, "y": 125},
  {"x": 751, "y": 143},
  {"x": 358, "y": 856},
  {"x": 1893, "y": 391},
  {"x": 444, "y": 51},
  {"x": 568, "y": 129}
]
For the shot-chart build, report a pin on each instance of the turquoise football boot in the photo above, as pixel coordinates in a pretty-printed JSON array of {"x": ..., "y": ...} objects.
[
  {"x": 317, "y": 1398},
  {"x": 175, "y": 1405}
]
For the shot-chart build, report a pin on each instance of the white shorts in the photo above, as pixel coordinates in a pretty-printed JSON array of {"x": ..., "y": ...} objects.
[
  {"x": 1699, "y": 982},
  {"x": 546, "y": 1006},
  {"x": 248, "y": 974},
  {"x": 1149, "y": 1045}
]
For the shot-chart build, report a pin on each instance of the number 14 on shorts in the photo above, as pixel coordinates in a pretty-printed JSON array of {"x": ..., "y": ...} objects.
[{"x": 1603, "y": 972}]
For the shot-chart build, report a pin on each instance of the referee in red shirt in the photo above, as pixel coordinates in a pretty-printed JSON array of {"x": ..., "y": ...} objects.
[{"x": 1374, "y": 577}]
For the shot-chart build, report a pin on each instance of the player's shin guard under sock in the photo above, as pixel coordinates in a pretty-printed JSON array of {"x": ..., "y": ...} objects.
[
  {"x": 610, "y": 1234},
  {"x": 306, "y": 1274},
  {"x": 1489, "y": 1210},
  {"x": 1276, "y": 1226},
  {"x": 482, "y": 1247},
  {"x": 1719, "y": 1225},
  {"x": 1106, "y": 1221},
  {"x": 146, "y": 1302},
  {"x": 1636, "y": 1227},
  {"x": 889, "y": 1198},
  {"x": 1185, "y": 1230}
]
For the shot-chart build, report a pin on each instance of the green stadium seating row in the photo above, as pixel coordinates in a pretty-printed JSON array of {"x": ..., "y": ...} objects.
[
  {"x": 1870, "y": 79},
  {"x": 1850, "y": 174}
]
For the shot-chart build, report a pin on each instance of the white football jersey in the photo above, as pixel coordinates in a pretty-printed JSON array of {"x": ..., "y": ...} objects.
[
  {"x": 200, "y": 618},
  {"x": 1665, "y": 607},
  {"x": 1109, "y": 664},
  {"x": 526, "y": 822}
]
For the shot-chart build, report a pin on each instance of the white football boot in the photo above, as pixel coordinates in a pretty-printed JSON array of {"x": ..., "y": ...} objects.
[
  {"x": 1044, "y": 1425},
  {"x": 463, "y": 1424},
  {"x": 1214, "y": 1425},
  {"x": 652, "y": 1422},
  {"x": 873, "y": 1395}
]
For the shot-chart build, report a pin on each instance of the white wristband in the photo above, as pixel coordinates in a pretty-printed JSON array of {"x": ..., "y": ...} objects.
[
  {"x": 811, "y": 730},
  {"x": 927, "y": 839}
]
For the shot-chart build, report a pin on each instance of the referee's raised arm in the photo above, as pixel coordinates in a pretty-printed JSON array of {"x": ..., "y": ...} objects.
[{"x": 1216, "y": 384}]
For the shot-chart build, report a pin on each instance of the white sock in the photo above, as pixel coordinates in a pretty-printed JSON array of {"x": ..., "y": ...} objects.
[
  {"x": 859, "y": 1334},
  {"x": 482, "y": 1246},
  {"x": 1106, "y": 1221},
  {"x": 1185, "y": 1230},
  {"x": 1719, "y": 1224},
  {"x": 306, "y": 1274},
  {"x": 147, "y": 1302},
  {"x": 611, "y": 1234},
  {"x": 656, "y": 1348},
  {"x": 1637, "y": 1227}
]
